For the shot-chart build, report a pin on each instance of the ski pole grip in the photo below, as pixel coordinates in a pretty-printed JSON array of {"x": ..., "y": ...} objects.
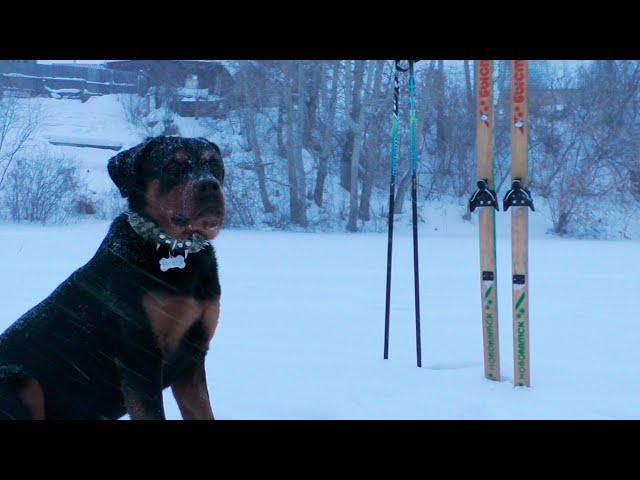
[{"x": 400, "y": 68}]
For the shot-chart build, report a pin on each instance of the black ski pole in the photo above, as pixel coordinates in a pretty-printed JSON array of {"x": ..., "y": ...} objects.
[
  {"x": 392, "y": 189},
  {"x": 414, "y": 207}
]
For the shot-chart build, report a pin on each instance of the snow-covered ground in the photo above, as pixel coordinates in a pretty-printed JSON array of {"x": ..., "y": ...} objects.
[{"x": 301, "y": 330}]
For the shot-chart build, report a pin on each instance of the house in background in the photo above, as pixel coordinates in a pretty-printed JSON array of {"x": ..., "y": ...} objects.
[{"x": 191, "y": 88}]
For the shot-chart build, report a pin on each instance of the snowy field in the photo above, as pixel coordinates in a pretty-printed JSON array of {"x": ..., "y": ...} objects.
[{"x": 301, "y": 329}]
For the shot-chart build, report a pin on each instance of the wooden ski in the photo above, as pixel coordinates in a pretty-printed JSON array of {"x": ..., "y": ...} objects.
[
  {"x": 485, "y": 197},
  {"x": 518, "y": 198}
]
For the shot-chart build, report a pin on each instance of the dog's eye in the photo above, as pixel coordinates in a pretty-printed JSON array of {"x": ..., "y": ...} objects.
[{"x": 175, "y": 168}]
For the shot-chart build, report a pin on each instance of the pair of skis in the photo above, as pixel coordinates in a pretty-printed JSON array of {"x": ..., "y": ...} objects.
[
  {"x": 414, "y": 201},
  {"x": 518, "y": 198}
]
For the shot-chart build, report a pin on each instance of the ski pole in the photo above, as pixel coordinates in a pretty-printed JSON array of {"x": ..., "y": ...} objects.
[
  {"x": 392, "y": 188},
  {"x": 414, "y": 207}
]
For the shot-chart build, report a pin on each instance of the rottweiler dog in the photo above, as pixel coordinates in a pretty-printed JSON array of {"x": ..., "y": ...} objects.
[{"x": 140, "y": 315}]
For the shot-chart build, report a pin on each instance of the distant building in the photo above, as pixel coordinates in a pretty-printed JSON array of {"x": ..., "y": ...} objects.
[
  {"x": 30, "y": 78},
  {"x": 193, "y": 88},
  {"x": 190, "y": 88}
]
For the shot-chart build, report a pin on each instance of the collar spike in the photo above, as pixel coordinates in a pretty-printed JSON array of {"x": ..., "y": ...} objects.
[{"x": 149, "y": 230}]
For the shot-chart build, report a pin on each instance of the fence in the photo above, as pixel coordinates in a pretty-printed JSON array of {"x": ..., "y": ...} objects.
[{"x": 39, "y": 78}]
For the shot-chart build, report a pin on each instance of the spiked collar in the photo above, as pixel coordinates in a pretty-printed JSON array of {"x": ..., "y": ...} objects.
[{"x": 150, "y": 232}]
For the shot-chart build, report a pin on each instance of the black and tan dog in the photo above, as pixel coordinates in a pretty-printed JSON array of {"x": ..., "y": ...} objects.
[{"x": 139, "y": 316}]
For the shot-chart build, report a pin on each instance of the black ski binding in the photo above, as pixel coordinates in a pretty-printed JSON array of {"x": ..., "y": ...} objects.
[
  {"x": 518, "y": 196},
  {"x": 483, "y": 197}
]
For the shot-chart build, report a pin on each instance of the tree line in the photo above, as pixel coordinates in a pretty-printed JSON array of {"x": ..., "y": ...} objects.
[
  {"x": 337, "y": 114},
  {"x": 315, "y": 140}
]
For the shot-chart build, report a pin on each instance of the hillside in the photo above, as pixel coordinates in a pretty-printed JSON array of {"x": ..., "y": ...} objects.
[{"x": 103, "y": 118}]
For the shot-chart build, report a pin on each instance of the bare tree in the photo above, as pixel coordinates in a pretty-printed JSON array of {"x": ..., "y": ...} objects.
[
  {"x": 40, "y": 187},
  {"x": 251, "y": 108},
  {"x": 371, "y": 136},
  {"x": 330, "y": 103},
  {"x": 295, "y": 126},
  {"x": 19, "y": 120},
  {"x": 354, "y": 80},
  {"x": 577, "y": 143},
  {"x": 355, "y": 139},
  {"x": 442, "y": 141}
]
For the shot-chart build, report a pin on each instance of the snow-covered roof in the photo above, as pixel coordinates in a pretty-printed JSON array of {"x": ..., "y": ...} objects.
[
  {"x": 231, "y": 66},
  {"x": 76, "y": 63}
]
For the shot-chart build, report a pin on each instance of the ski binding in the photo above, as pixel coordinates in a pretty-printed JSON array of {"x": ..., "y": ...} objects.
[
  {"x": 483, "y": 197},
  {"x": 518, "y": 196}
]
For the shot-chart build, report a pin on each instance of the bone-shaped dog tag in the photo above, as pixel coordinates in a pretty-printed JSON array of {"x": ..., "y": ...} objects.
[{"x": 172, "y": 262}]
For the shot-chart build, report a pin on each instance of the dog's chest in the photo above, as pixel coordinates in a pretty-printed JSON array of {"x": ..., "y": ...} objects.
[{"x": 171, "y": 317}]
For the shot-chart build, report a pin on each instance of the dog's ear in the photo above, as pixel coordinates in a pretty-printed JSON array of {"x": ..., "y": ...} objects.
[
  {"x": 215, "y": 147},
  {"x": 210, "y": 144},
  {"x": 121, "y": 167}
]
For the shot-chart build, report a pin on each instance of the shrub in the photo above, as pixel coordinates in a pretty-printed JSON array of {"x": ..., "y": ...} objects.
[{"x": 41, "y": 188}]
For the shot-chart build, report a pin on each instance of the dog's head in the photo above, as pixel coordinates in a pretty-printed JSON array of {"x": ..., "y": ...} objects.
[{"x": 176, "y": 181}]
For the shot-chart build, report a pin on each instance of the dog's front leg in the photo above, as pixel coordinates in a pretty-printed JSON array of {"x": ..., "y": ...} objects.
[
  {"x": 140, "y": 366},
  {"x": 143, "y": 399},
  {"x": 190, "y": 388},
  {"x": 191, "y": 394}
]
